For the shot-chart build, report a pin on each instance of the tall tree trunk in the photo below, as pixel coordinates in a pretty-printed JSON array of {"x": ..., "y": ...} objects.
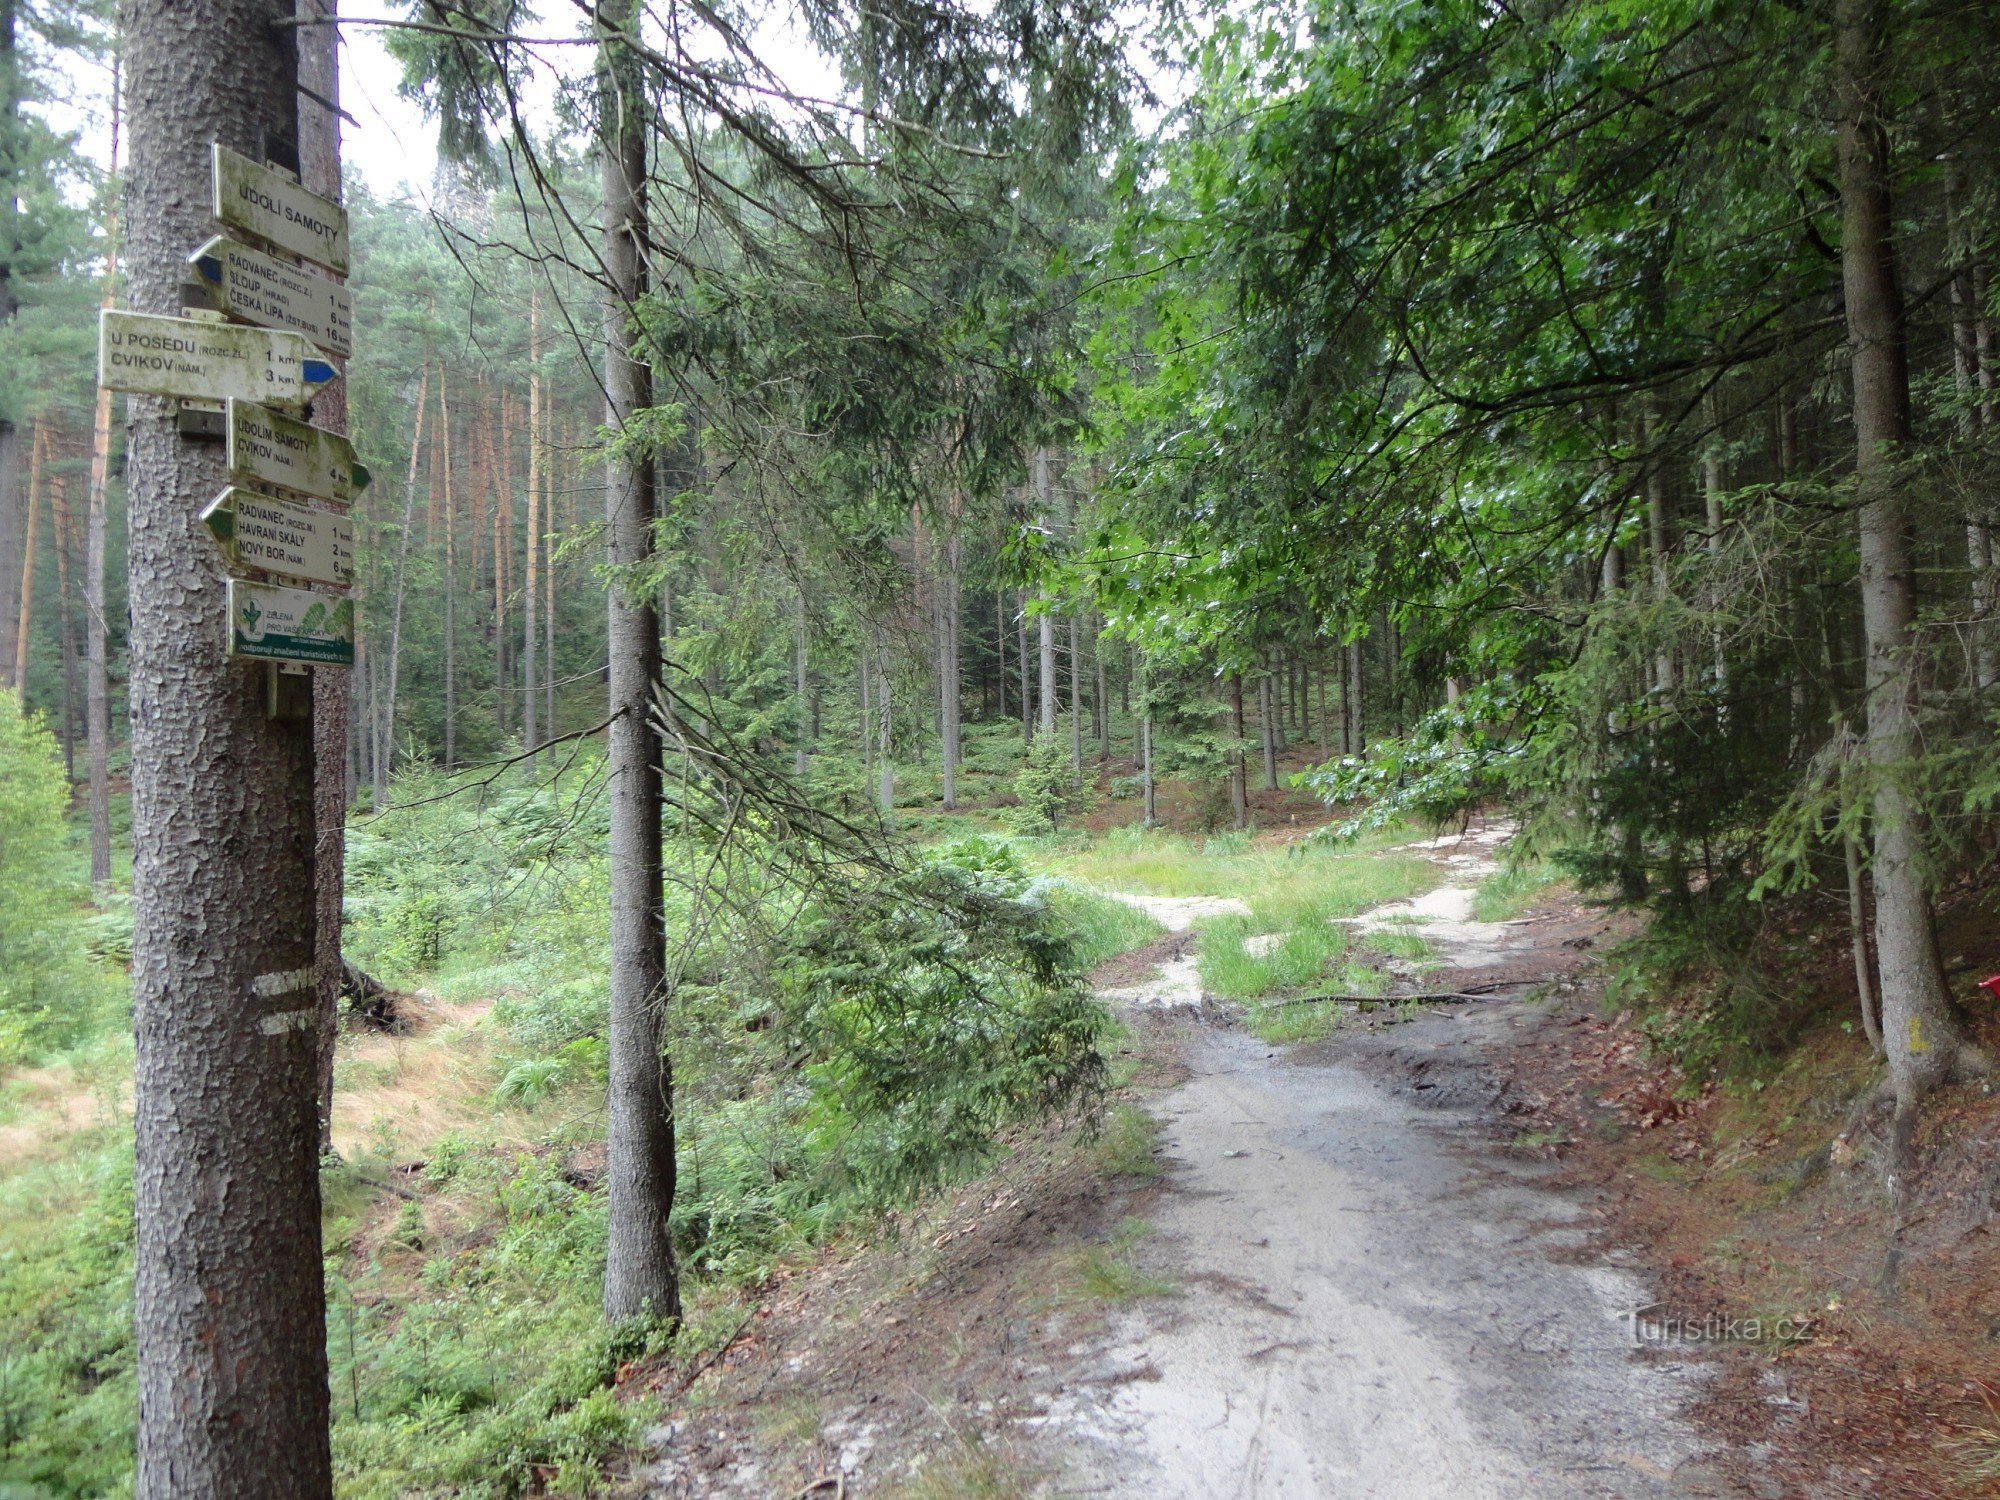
[
  {"x": 885, "y": 758},
  {"x": 866, "y": 697},
  {"x": 318, "y": 140},
  {"x": 1357, "y": 705},
  {"x": 1967, "y": 369},
  {"x": 1149, "y": 787},
  {"x": 950, "y": 668},
  {"x": 639, "y": 1274},
  {"x": 228, "y": 1299},
  {"x": 1239, "y": 792},
  {"x": 1000, "y": 642},
  {"x": 1712, "y": 483},
  {"x": 803, "y": 707},
  {"x": 1021, "y": 654},
  {"x": 1102, "y": 702},
  {"x": 97, "y": 643},
  {"x": 1267, "y": 726},
  {"x": 65, "y": 621},
  {"x": 450, "y": 519},
  {"x": 385, "y": 753},
  {"x": 1919, "y": 1027},
  {"x": 1659, "y": 540},
  {"x": 531, "y": 597},
  {"x": 23, "y": 633},
  {"x": 1075, "y": 699}
]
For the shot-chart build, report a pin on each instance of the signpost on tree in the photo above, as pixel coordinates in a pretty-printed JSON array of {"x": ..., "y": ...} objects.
[{"x": 229, "y": 1294}]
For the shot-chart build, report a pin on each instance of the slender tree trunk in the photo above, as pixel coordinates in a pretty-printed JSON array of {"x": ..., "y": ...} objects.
[
  {"x": 1103, "y": 698},
  {"x": 1712, "y": 484},
  {"x": 65, "y": 621},
  {"x": 1000, "y": 642},
  {"x": 385, "y": 754},
  {"x": 1075, "y": 699},
  {"x": 885, "y": 760},
  {"x": 639, "y": 1273},
  {"x": 1325, "y": 726},
  {"x": 1239, "y": 796},
  {"x": 318, "y": 140},
  {"x": 450, "y": 575},
  {"x": 1967, "y": 368},
  {"x": 1355, "y": 706},
  {"x": 97, "y": 644},
  {"x": 1920, "y": 1030},
  {"x": 1021, "y": 655},
  {"x": 1266, "y": 724},
  {"x": 23, "y": 633},
  {"x": 1659, "y": 541},
  {"x": 867, "y": 698},
  {"x": 228, "y": 1298},
  {"x": 803, "y": 706},
  {"x": 1149, "y": 787},
  {"x": 531, "y": 596},
  {"x": 953, "y": 669}
]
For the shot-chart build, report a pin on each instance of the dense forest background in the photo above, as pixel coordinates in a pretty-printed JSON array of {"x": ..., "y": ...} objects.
[{"x": 1589, "y": 410}]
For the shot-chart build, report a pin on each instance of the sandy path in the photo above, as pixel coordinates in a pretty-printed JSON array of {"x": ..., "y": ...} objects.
[{"x": 1371, "y": 1303}]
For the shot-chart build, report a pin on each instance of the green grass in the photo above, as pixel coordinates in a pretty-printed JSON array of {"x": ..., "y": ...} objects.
[
  {"x": 1125, "y": 1147},
  {"x": 969, "y": 1470},
  {"x": 1272, "y": 879},
  {"x": 1105, "y": 1273},
  {"x": 1099, "y": 927},
  {"x": 1504, "y": 896}
]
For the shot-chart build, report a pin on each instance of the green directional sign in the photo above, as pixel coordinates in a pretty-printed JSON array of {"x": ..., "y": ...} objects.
[
  {"x": 197, "y": 360},
  {"x": 273, "y": 623},
  {"x": 264, "y": 202},
  {"x": 268, "y": 447},
  {"x": 250, "y": 286},
  {"x": 256, "y": 531}
]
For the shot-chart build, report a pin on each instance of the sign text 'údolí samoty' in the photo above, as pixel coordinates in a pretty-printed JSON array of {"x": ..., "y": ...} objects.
[
  {"x": 249, "y": 285},
  {"x": 256, "y": 531},
  {"x": 192, "y": 359},
  {"x": 270, "y": 622},
  {"x": 268, "y": 447},
  {"x": 263, "y": 201}
]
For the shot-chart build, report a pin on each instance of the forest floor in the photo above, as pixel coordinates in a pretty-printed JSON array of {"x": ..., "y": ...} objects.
[{"x": 1474, "y": 1249}]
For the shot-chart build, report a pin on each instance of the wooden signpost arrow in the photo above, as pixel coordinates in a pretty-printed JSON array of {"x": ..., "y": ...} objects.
[
  {"x": 270, "y": 622},
  {"x": 249, "y": 285},
  {"x": 276, "y": 536},
  {"x": 263, "y": 201},
  {"x": 196, "y": 360},
  {"x": 268, "y": 447}
]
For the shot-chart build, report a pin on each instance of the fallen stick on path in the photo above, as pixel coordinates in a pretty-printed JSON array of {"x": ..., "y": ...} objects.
[{"x": 1429, "y": 997}]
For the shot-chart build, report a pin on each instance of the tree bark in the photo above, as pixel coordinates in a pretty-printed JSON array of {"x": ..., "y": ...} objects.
[
  {"x": 802, "y": 708},
  {"x": 23, "y": 633},
  {"x": 1102, "y": 702},
  {"x": 531, "y": 599},
  {"x": 97, "y": 644},
  {"x": 229, "y": 1302},
  {"x": 65, "y": 620},
  {"x": 639, "y": 1273},
  {"x": 385, "y": 753},
  {"x": 950, "y": 667},
  {"x": 885, "y": 758},
  {"x": 1239, "y": 796},
  {"x": 1267, "y": 730},
  {"x": 1920, "y": 1030},
  {"x": 1075, "y": 698},
  {"x": 450, "y": 503},
  {"x": 318, "y": 139},
  {"x": 1021, "y": 654}
]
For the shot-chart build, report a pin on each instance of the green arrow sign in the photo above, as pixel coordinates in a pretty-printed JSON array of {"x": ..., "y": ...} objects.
[
  {"x": 273, "y": 623},
  {"x": 196, "y": 360},
  {"x": 268, "y": 447},
  {"x": 250, "y": 286},
  {"x": 256, "y": 531}
]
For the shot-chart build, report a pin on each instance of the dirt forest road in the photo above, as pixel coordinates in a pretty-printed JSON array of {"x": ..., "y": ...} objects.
[{"x": 1377, "y": 1299}]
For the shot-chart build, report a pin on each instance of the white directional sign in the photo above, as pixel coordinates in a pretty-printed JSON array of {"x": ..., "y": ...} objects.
[
  {"x": 202, "y": 361},
  {"x": 268, "y": 447},
  {"x": 265, "y": 202},
  {"x": 249, "y": 285},
  {"x": 274, "y": 623},
  {"x": 256, "y": 531}
]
